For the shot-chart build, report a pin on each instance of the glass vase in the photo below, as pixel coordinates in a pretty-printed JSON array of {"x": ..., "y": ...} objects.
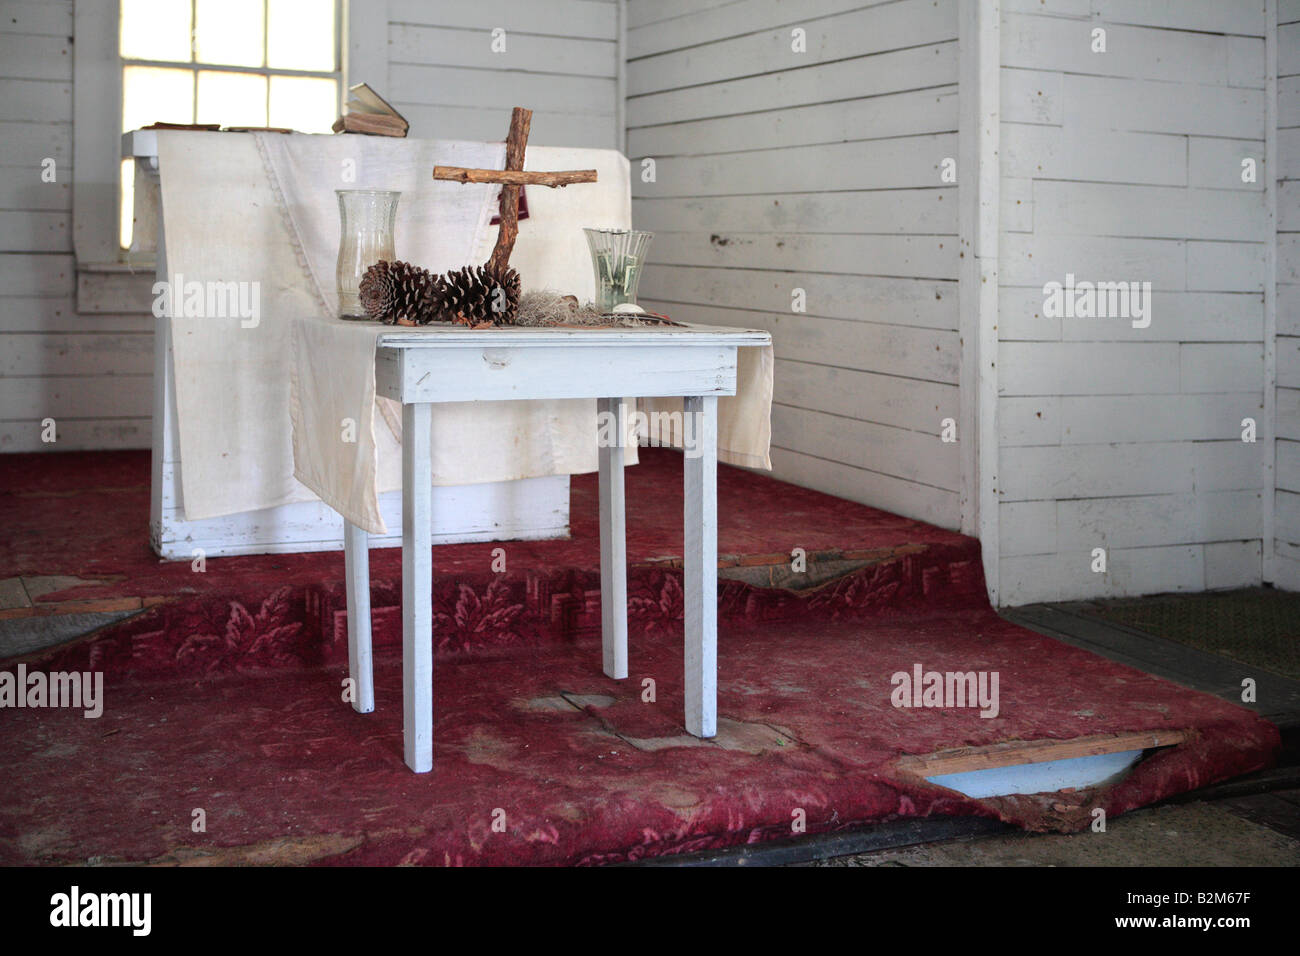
[
  {"x": 366, "y": 219},
  {"x": 618, "y": 256}
]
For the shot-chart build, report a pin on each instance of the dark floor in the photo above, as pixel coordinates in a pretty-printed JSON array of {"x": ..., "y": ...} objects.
[
  {"x": 1259, "y": 627},
  {"x": 1261, "y": 830},
  {"x": 1190, "y": 651}
]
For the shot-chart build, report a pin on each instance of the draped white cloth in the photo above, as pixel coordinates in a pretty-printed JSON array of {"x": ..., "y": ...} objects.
[{"x": 261, "y": 208}]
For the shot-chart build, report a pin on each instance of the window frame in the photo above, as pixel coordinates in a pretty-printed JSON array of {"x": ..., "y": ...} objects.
[{"x": 360, "y": 36}]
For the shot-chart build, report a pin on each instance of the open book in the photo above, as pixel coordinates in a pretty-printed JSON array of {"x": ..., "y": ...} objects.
[{"x": 368, "y": 112}]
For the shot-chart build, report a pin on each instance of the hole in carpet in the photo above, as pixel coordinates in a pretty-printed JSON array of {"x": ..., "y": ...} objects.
[
  {"x": 823, "y": 567},
  {"x": 780, "y": 575},
  {"x": 753, "y": 738},
  {"x": 774, "y": 570},
  {"x": 1037, "y": 766}
]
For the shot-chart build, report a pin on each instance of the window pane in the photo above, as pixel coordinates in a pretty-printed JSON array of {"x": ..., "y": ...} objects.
[
  {"x": 300, "y": 34},
  {"x": 228, "y": 32},
  {"x": 152, "y": 94},
  {"x": 304, "y": 103},
  {"x": 155, "y": 30},
  {"x": 232, "y": 99}
]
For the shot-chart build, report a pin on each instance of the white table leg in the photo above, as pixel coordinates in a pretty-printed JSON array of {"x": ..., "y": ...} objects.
[
  {"x": 356, "y": 564},
  {"x": 417, "y": 589},
  {"x": 613, "y": 546},
  {"x": 700, "y": 566}
]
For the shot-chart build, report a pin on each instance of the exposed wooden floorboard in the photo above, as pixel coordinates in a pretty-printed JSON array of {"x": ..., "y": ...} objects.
[{"x": 1015, "y": 753}]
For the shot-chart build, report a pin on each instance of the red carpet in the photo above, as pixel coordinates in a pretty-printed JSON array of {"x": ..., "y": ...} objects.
[{"x": 225, "y": 696}]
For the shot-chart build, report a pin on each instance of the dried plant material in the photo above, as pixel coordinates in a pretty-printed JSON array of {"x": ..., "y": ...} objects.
[
  {"x": 545, "y": 308},
  {"x": 402, "y": 294}
]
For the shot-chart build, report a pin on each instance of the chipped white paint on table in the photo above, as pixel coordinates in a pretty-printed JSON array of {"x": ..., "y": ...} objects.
[{"x": 420, "y": 367}]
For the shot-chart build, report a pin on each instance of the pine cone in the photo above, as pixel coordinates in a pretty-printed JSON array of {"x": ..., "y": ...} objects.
[
  {"x": 398, "y": 293},
  {"x": 470, "y": 296}
]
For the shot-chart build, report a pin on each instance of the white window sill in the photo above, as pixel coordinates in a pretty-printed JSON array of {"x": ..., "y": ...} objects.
[{"x": 115, "y": 288}]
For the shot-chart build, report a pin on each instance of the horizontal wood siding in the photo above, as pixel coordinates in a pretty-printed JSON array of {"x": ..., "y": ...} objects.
[
  {"x": 821, "y": 170},
  {"x": 1125, "y": 165},
  {"x": 560, "y": 60},
  {"x": 1286, "y": 505},
  {"x": 91, "y": 373}
]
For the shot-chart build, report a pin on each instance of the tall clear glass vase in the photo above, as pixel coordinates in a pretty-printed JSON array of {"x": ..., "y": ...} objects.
[{"x": 366, "y": 220}]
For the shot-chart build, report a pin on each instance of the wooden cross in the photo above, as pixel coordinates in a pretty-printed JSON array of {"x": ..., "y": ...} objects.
[{"x": 511, "y": 178}]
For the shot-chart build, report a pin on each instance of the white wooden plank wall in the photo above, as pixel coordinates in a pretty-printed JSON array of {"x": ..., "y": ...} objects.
[
  {"x": 90, "y": 372},
  {"x": 1126, "y": 165},
  {"x": 560, "y": 60},
  {"x": 1286, "y": 514},
  {"x": 820, "y": 170}
]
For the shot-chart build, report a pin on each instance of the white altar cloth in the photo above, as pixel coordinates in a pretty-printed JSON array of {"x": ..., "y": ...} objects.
[
  {"x": 261, "y": 208},
  {"x": 269, "y": 216}
]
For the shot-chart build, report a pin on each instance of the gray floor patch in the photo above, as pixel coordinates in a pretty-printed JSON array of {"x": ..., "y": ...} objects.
[{"x": 26, "y": 635}]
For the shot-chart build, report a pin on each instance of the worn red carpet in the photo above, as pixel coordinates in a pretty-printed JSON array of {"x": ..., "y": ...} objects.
[{"x": 223, "y": 699}]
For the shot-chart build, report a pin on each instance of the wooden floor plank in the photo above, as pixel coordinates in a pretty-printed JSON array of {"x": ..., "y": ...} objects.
[{"x": 1014, "y": 753}]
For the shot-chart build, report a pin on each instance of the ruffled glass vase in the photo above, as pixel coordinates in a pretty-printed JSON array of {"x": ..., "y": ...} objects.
[{"x": 618, "y": 256}]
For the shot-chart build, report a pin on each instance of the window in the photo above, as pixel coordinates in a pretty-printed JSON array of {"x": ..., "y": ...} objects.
[{"x": 229, "y": 62}]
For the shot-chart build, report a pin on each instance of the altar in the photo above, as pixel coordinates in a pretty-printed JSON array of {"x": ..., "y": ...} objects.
[
  {"x": 258, "y": 209},
  {"x": 271, "y": 511}
]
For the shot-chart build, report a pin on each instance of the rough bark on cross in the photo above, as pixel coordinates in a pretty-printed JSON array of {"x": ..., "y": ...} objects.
[{"x": 511, "y": 178}]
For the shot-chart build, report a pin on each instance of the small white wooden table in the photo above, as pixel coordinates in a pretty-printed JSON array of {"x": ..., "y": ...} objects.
[{"x": 419, "y": 367}]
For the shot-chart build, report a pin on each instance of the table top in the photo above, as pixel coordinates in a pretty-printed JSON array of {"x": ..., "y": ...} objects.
[{"x": 455, "y": 336}]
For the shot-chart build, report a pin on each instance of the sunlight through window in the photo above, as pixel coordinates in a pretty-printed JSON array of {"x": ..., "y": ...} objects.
[
  {"x": 300, "y": 35},
  {"x": 233, "y": 63},
  {"x": 231, "y": 32}
]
